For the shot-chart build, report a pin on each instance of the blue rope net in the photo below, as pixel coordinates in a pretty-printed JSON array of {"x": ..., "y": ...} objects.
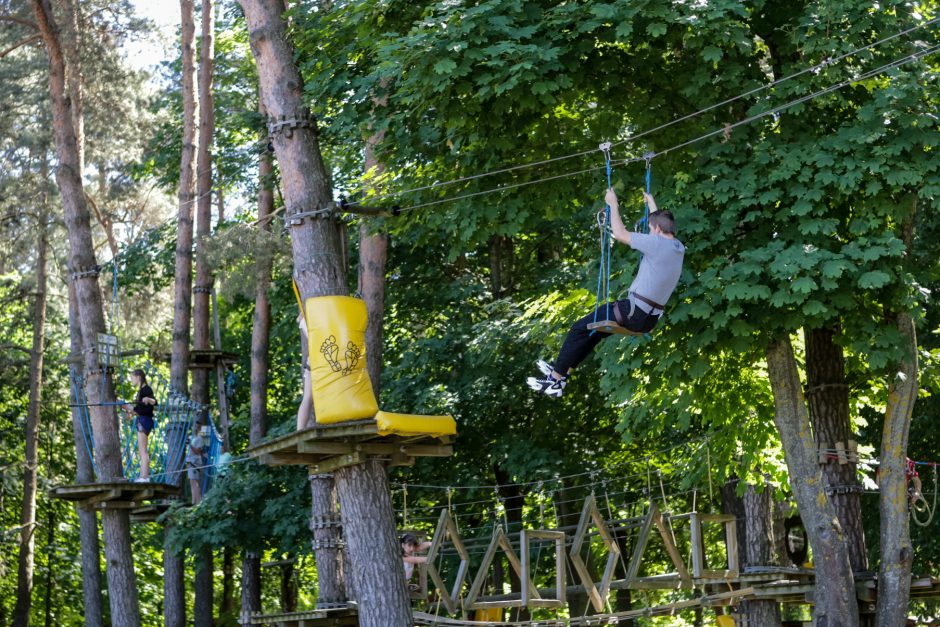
[
  {"x": 213, "y": 453},
  {"x": 173, "y": 420}
]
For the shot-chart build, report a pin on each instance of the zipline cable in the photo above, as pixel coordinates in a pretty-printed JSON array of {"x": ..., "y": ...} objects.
[
  {"x": 773, "y": 111},
  {"x": 814, "y": 68}
]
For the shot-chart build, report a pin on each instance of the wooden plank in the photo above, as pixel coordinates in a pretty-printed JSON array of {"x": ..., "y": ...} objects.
[
  {"x": 840, "y": 453},
  {"x": 335, "y": 463},
  {"x": 731, "y": 546},
  {"x": 530, "y": 596},
  {"x": 641, "y": 541},
  {"x": 698, "y": 548},
  {"x": 105, "y": 495},
  {"x": 673, "y": 551}
]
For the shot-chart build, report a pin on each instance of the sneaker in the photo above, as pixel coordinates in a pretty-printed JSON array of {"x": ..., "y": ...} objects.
[
  {"x": 142, "y": 480},
  {"x": 544, "y": 367},
  {"x": 548, "y": 385}
]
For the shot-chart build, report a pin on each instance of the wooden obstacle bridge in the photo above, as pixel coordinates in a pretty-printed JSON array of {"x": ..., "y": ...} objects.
[{"x": 455, "y": 598}]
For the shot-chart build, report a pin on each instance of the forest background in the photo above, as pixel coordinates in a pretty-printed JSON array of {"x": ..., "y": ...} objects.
[{"x": 816, "y": 222}]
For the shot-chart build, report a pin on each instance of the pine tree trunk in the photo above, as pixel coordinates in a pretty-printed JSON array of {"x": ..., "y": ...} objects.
[
  {"x": 122, "y": 591},
  {"x": 331, "y": 580},
  {"x": 896, "y": 552},
  {"x": 179, "y": 359},
  {"x": 319, "y": 267},
  {"x": 203, "y": 583},
  {"x": 227, "y": 603},
  {"x": 373, "y": 255},
  {"x": 202, "y": 606},
  {"x": 260, "y": 360},
  {"x": 372, "y": 547},
  {"x": 24, "y": 580},
  {"x": 251, "y": 587},
  {"x": 174, "y": 590},
  {"x": 827, "y": 395},
  {"x": 759, "y": 551},
  {"x": 836, "y": 604},
  {"x": 84, "y": 473}
]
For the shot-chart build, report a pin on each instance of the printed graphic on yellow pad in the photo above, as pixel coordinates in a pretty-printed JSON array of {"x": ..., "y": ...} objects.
[{"x": 336, "y": 332}]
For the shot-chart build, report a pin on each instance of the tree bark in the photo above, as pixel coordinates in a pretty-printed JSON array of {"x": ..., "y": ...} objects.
[
  {"x": 84, "y": 473},
  {"x": 319, "y": 266},
  {"x": 373, "y": 255},
  {"x": 174, "y": 591},
  {"x": 327, "y": 540},
  {"x": 260, "y": 360},
  {"x": 24, "y": 580},
  {"x": 202, "y": 585},
  {"x": 203, "y": 604},
  {"x": 375, "y": 566},
  {"x": 251, "y": 587},
  {"x": 83, "y": 266},
  {"x": 759, "y": 551},
  {"x": 227, "y": 603},
  {"x": 288, "y": 589},
  {"x": 896, "y": 552},
  {"x": 182, "y": 310},
  {"x": 836, "y": 604},
  {"x": 827, "y": 396}
]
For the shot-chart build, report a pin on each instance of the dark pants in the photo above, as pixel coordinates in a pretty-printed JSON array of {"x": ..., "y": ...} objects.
[{"x": 580, "y": 341}]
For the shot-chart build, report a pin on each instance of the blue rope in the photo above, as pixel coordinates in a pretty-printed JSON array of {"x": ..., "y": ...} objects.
[{"x": 603, "y": 270}]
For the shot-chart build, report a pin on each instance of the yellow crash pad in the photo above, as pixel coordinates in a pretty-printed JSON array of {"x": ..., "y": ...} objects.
[
  {"x": 336, "y": 336},
  {"x": 409, "y": 424}
]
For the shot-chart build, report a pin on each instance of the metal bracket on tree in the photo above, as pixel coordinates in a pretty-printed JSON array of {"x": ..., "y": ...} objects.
[
  {"x": 297, "y": 215},
  {"x": 288, "y": 124},
  {"x": 81, "y": 273}
]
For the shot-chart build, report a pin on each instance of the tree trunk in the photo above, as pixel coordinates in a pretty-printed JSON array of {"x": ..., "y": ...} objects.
[
  {"x": 319, "y": 267},
  {"x": 327, "y": 540},
  {"x": 24, "y": 580},
  {"x": 251, "y": 587},
  {"x": 227, "y": 603},
  {"x": 174, "y": 590},
  {"x": 203, "y": 604},
  {"x": 84, "y": 473},
  {"x": 896, "y": 552},
  {"x": 179, "y": 360},
  {"x": 836, "y": 604},
  {"x": 372, "y": 546},
  {"x": 288, "y": 589},
  {"x": 373, "y": 255},
  {"x": 122, "y": 590},
  {"x": 260, "y": 360},
  {"x": 202, "y": 585},
  {"x": 827, "y": 396},
  {"x": 759, "y": 551}
]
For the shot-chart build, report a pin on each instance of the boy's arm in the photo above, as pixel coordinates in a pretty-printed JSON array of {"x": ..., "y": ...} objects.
[
  {"x": 415, "y": 559},
  {"x": 620, "y": 232},
  {"x": 652, "y": 203}
]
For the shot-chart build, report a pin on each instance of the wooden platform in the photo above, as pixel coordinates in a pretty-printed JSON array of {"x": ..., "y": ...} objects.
[
  {"x": 116, "y": 495},
  {"x": 150, "y": 512},
  {"x": 321, "y": 618},
  {"x": 325, "y": 448}
]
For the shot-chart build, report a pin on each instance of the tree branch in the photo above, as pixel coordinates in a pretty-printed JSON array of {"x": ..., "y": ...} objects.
[
  {"x": 21, "y": 42},
  {"x": 19, "y": 20}
]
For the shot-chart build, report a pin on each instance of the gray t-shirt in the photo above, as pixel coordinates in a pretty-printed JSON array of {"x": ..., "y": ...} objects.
[{"x": 659, "y": 269}]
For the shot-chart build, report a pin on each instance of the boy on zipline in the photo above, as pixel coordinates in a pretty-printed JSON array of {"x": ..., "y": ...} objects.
[{"x": 655, "y": 281}]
